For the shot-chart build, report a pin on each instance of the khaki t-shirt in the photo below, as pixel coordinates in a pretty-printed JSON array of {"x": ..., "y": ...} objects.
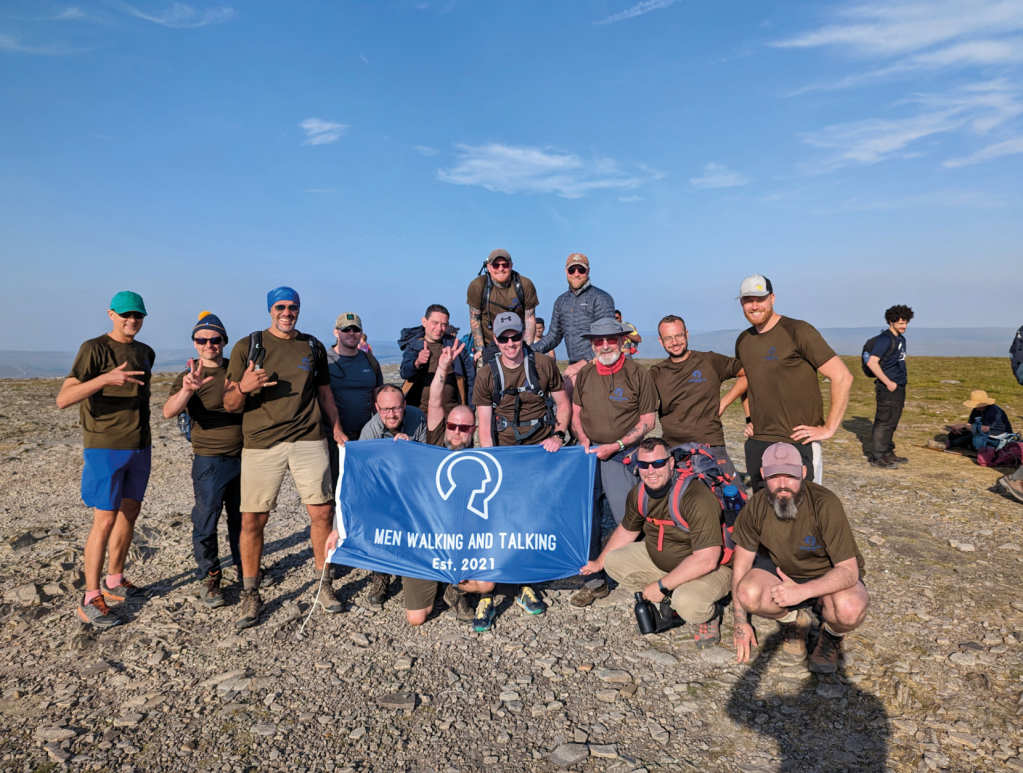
[
  {"x": 781, "y": 367},
  {"x": 215, "y": 432},
  {"x": 289, "y": 411},
  {"x": 807, "y": 547},
  {"x": 699, "y": 507},
  {"x": 532, "y": 406},
  {"x": 612, "y": 405},
  {"x": 116, "y": 417},
  {"x": 502, "y": 299},
  {"x": 690, "y": 393},
  {"x": 419, "y": 393}
]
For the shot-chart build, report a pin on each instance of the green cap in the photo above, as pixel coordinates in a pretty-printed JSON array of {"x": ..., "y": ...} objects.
[{"x": 127, "y": 301}]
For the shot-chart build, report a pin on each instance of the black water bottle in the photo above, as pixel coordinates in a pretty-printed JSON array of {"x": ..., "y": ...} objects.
[{"x": 644, "y": 615}]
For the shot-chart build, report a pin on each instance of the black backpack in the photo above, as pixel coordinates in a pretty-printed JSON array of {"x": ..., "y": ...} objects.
[
  {"x": 868, "y": 347},
  {"x": 257, "y": 353},
  {"x": 498, "y": 424},
  {"x": 1016, "y": 356},
  {"x": 516, "y": 281}
]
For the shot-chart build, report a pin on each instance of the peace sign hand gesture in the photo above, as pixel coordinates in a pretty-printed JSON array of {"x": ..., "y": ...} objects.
[
  {"x": 449, "y": 354},
  {"x": 120, "y": 375},
  {"x": 193, "y": 380}
]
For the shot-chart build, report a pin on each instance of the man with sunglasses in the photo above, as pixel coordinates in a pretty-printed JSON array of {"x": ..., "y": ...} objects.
[
  {"x": 110, "y": 381},
  {"x": 499, "y": 289},
  {"x": 216, "y": 437},
  {"x": 614, "y": 407},
  {"x": 684, "y": 564},
  {"x": 520, "y": 385},
  {"x": 689, "y": 388},
  {"x": 278, "y": 381}
]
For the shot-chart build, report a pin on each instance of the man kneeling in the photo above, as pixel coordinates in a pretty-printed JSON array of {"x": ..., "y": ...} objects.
[
  {"x": 794, "y": 550},
  {"x": 679, "y": 557}
]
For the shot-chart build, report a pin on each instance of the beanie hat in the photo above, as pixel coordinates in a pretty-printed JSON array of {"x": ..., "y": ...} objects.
[
  {"x": 209, "y": 321},
  {"x": 281, "y": 293}
]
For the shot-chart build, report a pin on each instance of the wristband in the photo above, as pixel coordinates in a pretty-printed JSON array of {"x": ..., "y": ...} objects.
[
  {"x": 749, "y": 419},
  {"x": 560, "y": 435},
  {"x": 621, "y": 446},
  {"x": 661, "y": 586}
]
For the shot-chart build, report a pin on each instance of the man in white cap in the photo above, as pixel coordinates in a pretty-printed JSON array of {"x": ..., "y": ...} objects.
[
  {"x": 794, "y": 550},
  {"x": 781, "y": 358}
]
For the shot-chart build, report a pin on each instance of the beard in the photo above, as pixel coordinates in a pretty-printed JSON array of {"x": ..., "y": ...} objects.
[
  {"x": 786, "y": 508},
  {"x": 452, "y": 447},
  {"x": 608, "y": 359}
]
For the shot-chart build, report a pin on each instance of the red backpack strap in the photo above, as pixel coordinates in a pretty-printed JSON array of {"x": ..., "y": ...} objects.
[
  {"x": 684, "y": 478},
  {"x": 641, "y": 498}
]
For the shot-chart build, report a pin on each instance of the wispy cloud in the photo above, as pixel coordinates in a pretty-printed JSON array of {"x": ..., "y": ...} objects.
[
  {"x": 320, "y": 132},
  {"x": 637, "y": 10},
  {"x": 1006, "y": 148},
  {"x": 318, "y": 190},
  {"x": 627, "y": 199},
  {"x": 363, "y": 58},
  {"x": 13, "y": 45},
  {"x": 975, "y": 109},
  {"x": 181, "y": 16},
  {"x": 425, "y": 151},
  {"x": 950, "y": 199},
  {"x": 718, "y": 176},
  {"x": 511, "y": 169}
]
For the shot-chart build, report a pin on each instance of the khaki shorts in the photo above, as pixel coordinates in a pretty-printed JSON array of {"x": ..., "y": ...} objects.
[
  {"x": 263, "y": 473},
  {"x": 419, "y": 594}
]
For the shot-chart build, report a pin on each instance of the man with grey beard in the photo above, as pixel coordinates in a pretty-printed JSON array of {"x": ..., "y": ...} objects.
[{"x": 794, "y": 551}]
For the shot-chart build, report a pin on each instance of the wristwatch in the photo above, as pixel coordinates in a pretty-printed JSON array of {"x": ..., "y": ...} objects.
[
  {"x": 559, "y": 435},
  {"x": 661, "y": 586},
  {"x": 621, "y": 446}
]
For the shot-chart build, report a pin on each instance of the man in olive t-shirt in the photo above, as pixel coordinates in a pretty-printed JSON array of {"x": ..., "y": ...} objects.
[
  {"x": 689, "y": 388},
  {"x": 109, "y": 380},
  {"x": 284, "y": 396},
  {"x": 216, "y": 437},
  {"x": 670, "y": 561},
  {"x": 781, "y": 358},
  {"x": 794, "y": 548},
  {"x": 503, "y": 284}
]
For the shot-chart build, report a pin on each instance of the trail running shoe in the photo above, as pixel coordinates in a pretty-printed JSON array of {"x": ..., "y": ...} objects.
[
  {"x": 1013, "y": 488},
  {"x": 124, "y": 591},
  {"x": 793, "y": 644},
  {"x": 251, "y": 605},
  {"x": 586, "y": 595},
  {"x": 460, "y": 602},
  {"x": 98, "y": 614},
  {"x": 708, "y": 634},
  {"x": 378, "y": 585},
  {"x": 824, "y": 659},
  {"x": 485, "y": 613},
  {"x": 529, "y": 601},
  {"x": 209, "y": 591}
]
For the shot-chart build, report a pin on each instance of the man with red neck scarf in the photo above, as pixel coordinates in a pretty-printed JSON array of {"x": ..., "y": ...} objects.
[{"x": 614, "y": 407}]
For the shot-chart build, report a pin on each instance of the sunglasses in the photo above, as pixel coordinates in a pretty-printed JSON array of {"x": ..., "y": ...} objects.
[
  {"x": 350, "y": 329},
  {"x": 601, "y": 341},
  {"x": 286, "y": 307},
  {"x": 578, "y": 270},
  {"x": 215, "y": 341},
  {"x": 131, "y": 315},
  {"x": 656, "y": 464},
  {"x": 501, "y": 264},
  {"x": 460, "y": 427},
  {"x": 511, "y": 338}
]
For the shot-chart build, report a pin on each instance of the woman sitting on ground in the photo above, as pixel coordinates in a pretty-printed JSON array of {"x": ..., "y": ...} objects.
[{"x": 993, "y": 420}]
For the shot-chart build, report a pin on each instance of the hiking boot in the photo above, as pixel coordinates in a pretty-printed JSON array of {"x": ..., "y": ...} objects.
[
  {"x": 824, "y": 659},
  {"x": 251, "y": 605},
  {"x": 378, "y": 585},
  {"x": 124, "y": 591},
  {"x": 1013, "y": 488},
  {"x": 708, "y": 634},
  {"x": 793, "y": 644},
  {"x": 98, "y": 613},
  {"x": 459, "y": 601},
  {"x": 329, "y": 599},
  {"x": 209, "y": 591},
  {"x": 265, "y": 580},
  {"x": 529, "y": 601},
  {"x": 891, "y": 457},
  {"x": 587, "y": 595},
  {"x": 485, "y": 614},
  {"x": 883, "y": 464}
]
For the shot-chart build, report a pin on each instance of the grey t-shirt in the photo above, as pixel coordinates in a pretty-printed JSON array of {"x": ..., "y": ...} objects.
[
  {"x": 413, "y": 425},
  {"x": 352, "y": 381}
]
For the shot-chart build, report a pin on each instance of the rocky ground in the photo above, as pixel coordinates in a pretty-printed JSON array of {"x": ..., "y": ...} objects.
[{"x": 932, "y": 681}]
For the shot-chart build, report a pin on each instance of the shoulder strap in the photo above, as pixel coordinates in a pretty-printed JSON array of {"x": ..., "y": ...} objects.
[
  {"x": 641, "y": 500},
  {"x": 374, "y": 364},
  {"x": 256, "y": 351},
  {"x": 519, "y": 293}
]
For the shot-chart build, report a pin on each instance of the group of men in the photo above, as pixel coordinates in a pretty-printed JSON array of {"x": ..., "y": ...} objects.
[{"x": 284, "y": 402}]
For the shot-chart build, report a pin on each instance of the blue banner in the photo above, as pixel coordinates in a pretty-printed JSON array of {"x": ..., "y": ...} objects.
[{"x": 515, "y": 514}]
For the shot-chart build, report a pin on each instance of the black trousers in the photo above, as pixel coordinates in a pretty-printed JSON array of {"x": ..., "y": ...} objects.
[
  {"x": 216, "y": 483},
  {"x": 886, "y": 419},
  {"x": 755, "y": 453}
]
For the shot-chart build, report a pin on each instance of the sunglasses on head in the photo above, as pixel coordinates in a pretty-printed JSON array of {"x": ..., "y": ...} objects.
[
  {"x": 501, "y": 264},
  {"x": 286, "y": 307},
  {"x": 656, "y": 464},
  {"x": 215, "y": 341},
  {"x": 510, "y": 338},
  {"x": 577, "y": 269},
  {"x": 460, "y": 427},
  {"x": 350, "y": 329},
  {"x": 131, "y": 315}
]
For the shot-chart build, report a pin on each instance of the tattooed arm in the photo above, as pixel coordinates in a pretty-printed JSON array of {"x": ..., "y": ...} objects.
[
  {"x": 637, "y": 433},
  {"x": 530, "y": 325},
  {"x": 476, "y": 326}
]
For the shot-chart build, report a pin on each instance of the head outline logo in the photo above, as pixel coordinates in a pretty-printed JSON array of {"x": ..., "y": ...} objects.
[
  {"x": 481, "y": 458},
  {"x": 770, "y": 354}
]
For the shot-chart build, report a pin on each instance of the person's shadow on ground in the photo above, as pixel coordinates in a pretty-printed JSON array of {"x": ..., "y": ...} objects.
[
  {"x": 823, "y": 725},
  {"x": 862, "y": 428}
]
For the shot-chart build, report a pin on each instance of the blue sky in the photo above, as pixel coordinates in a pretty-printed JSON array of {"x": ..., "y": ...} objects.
[{"x": 371, "y": 154}]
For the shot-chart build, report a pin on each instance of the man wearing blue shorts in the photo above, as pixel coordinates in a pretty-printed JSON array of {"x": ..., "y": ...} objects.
[{"x": 109, "y": 381}]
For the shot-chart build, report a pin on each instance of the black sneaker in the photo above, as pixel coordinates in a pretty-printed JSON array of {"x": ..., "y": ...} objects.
[
  {"x": 378, "y": 585},
  {"x": 891, "y": 457},
  {"x": 883, "y": 464},
  {"x": 460, "y": 602},
  {"x": 251, "y": 605}
]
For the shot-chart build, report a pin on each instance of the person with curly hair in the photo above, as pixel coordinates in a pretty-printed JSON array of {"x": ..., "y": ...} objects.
[{"x": 887, "y": 362}]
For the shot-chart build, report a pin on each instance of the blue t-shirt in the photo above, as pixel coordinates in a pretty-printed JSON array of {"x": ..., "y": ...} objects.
[
  {"x": 992, "y": 416},
  {"x": 893, "y": 363}
]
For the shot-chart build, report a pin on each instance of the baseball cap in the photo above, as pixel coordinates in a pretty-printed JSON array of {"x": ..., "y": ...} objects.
[
  {"x": 347, "y": 320},
  {"x": 499, "y": 254},
  {"x": 125, "y": 301},
  {"x": 507, "y": 321},
  {"x": 782, "y": 459},
  {"x": 757, "y": 285},
  {"x": 577, "y": 259}
]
